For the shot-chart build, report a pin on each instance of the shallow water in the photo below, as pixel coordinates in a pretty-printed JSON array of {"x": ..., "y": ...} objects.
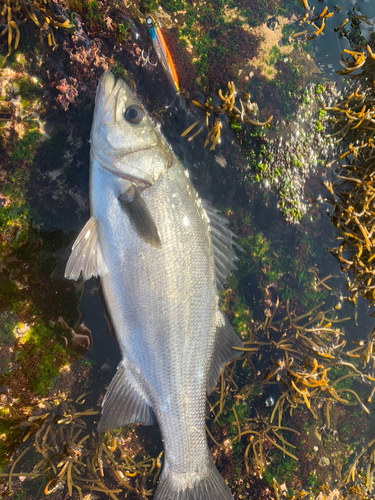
[{"x": 273, "y": 268}]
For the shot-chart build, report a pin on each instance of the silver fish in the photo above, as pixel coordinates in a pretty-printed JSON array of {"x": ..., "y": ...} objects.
[{"x": 161, "y": 256}]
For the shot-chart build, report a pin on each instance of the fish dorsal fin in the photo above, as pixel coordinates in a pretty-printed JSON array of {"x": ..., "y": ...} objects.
[
  {"x": 226, "y": 338},
  {"x": 125, "y": 403},
  {"x": 86, "y": 256},
  {"x": 222, "y": 244},
  {"x": 139, "y": 216}
]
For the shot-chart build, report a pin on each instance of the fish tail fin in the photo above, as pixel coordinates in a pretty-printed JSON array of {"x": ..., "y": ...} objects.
[{"x": 207, "y": 485}]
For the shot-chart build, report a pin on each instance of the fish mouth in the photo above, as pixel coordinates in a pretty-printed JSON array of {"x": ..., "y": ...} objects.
[
  {"x": 107, "y": 84},
  {"x": 105, "y": 95}
]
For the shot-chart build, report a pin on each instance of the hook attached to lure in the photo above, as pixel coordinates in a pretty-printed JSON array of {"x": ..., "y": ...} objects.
[{"x": 146, "y": 58}]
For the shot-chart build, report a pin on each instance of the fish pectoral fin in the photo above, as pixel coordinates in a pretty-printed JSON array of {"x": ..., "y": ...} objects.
[
  {"x": 226, "y": 338},
  {"x": 86, "y": 256},
  {"x": 139, "y": 216},
  {"x": 124, "y": 403},
  {"x": 59, "y": 272}
]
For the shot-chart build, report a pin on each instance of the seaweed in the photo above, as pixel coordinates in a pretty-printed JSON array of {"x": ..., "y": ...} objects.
[
  {"x": 46, "y": 15},
  {"x": 62, "y": 454}
]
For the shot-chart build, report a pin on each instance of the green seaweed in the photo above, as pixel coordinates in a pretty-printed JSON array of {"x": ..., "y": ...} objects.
[
  {"x": 40, "y": 343},
  {"x": 274, "y": 55},
  {"x": 268, "y": 264},
  {"x": 29, "y": 89},
  {"x": 14, "y": 225},
  {"x": 313, "y": 481},
  {"x": 120, "y": 72},
  {"x": 286, "y": 467},
  {"x": 25, "y": 148},
  {"x": 92, "y": 10},
  {"x": 124, "y": 30},
  {"x": 149, "y": 6},
  {"x": 173, "y": 5}
]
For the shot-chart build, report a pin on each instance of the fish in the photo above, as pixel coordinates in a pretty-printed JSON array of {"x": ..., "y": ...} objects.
[
  {"x": 162, "y": 51},
  {"x": 162, "y": 255}
]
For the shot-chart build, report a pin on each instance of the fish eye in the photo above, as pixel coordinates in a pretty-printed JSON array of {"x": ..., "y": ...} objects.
[{"x": 133, "y": 115}]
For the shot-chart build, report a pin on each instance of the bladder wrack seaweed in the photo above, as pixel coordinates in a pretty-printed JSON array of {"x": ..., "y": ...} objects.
[{"x": 227, "y": 107}]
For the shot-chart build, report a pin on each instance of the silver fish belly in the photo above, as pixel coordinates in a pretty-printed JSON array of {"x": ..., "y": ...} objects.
[{"x": 161, "y": 256}]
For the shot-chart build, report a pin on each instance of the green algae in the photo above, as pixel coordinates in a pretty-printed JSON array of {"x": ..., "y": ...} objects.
[
  {"x": 39, "y": 355},
  {"x": 124, "y": 30},
  {"x": 149, "y": 6},
  {"x": 7, "y": 322},
  {"x": 313, "y": 481},
  {"x": 40, "y": 340},
  {"x": 31, "y": 360},
  {"x": 236, "y": 308},
  {"x": 318, "y": 126},
  {"x": 285, "y": 468},
  {"x": 93, "y": 13},
  {"x": 29, "y": 89},
  {"x": 268, "y": 264},
  {"x": 282, "y": 165},
  {"x": 9, "y": 295},
  {"x": 14, "y": 223},
  {"x": 274, "y": 55},
  {"x": 120, "y": 72},
  {"x": 25, "y": 148},
  {"x": 214, "y": 50}
]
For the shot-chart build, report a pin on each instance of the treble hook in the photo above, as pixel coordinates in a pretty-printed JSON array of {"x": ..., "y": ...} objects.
[{"x": 146, "y": 59}]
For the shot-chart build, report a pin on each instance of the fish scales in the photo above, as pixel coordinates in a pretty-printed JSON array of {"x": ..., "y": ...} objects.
[
  {"x": 162, "y": 296},
  {"x": 148, "y": 239}
]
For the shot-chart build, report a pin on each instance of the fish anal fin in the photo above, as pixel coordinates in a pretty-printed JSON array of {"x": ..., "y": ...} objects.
[
  {"x": 124, "y": 403},
  {"x": 225, "y": 339},
  {"x": 86, "y": 256},
  {"x": 139, "y": 216}
]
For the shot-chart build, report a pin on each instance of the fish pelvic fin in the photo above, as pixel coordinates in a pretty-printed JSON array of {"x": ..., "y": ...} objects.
[
  {"x": 125, "y": 403},
  {"x": 86, "y": 256},
  {"x": 225, "y": 339},
  {"x": 203, "y": 485}
]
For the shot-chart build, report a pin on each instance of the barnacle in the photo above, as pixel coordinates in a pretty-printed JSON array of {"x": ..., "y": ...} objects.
[{"x": 44, "y": 13}]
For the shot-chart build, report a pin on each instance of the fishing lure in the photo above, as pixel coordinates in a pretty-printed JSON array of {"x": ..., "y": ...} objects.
[{"x": 162, "y": 51}]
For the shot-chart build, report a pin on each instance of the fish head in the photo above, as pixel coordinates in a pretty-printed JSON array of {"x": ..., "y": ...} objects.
[{"x": 123, "y": 138}]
